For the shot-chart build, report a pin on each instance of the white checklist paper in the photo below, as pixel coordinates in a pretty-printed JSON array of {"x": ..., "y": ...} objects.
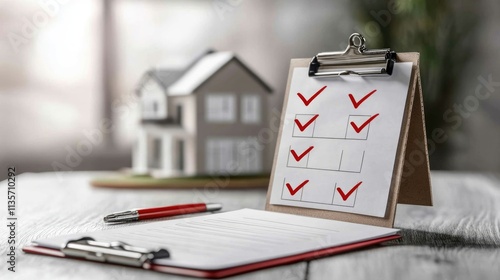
[
  {"x": 235, "y": 238},
  {"x": 339, "y": 141}
]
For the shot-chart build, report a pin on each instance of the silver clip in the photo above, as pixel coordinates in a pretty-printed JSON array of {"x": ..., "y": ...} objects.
[
  {"x": 124, "y": 216},
  {"x": 355, "y": 60},
  {"x": 113, "y": 252}
]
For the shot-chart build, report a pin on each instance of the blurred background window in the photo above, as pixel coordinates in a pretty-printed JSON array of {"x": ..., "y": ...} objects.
[{"x": 50, "y": 79}]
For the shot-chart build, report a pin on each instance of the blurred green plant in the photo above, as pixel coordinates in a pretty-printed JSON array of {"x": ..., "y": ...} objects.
[{"x": 444, "y": 32}]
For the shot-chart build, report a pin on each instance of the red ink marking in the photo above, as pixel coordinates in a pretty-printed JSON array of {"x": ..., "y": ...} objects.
[
  {"x": 303, "y": 127},
  {"x": 357, "y": 103},
  {"x": 294, "y": 191},
  {"x": 345, "y": 196},
  {"x": 308, "y": 101},
  {"x": 299, "y": 157},
  {"x": 358, "y": 129}
]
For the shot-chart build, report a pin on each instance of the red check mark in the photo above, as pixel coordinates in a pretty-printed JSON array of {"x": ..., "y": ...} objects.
[
  {"x": 357, "y": 103},
  {"x": 345, "y": 196},
  {"x": 303, "y": 127},
  {"x": 358, "y": 129},
  {"x": 308, "y": 101},
  {"x": 294, "y": 191},
  {"x": 299, "y": 157}
]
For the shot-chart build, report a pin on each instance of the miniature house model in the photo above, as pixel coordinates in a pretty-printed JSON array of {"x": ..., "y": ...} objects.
[{"x": 203, "y": 119}]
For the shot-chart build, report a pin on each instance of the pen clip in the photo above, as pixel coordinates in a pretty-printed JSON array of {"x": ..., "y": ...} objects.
[
  {"x": 112, "y": 252},
  {"x": 123, "y": 216}
]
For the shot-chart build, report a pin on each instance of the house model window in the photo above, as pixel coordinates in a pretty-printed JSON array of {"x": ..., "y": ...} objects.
[
  {"x": 220, "y": 108},
  {"x": 250, "y": 109},
  {"x": 154, "y": 102},
  {"x": 232, "y": 154}
]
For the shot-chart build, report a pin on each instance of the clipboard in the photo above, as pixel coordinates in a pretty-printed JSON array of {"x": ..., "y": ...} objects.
[
  {"x": 410, "y": 183},
  {"x": 411, "y": 188},
  {"x": 124, "y": 255}
]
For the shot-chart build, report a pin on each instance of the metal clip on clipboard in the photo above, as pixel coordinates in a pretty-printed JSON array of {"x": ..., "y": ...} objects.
[
  {"x": 356, "y": 59},
  {"x": 113, "y": 252}
]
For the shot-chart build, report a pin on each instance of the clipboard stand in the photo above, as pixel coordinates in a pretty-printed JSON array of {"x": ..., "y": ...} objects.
[{"x": 410, "y": 182}]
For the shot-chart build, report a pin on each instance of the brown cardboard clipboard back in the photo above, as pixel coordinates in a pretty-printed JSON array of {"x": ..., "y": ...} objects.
[{"x": 410, "y": 182}]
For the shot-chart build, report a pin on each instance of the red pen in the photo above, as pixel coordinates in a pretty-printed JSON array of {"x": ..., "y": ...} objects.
[{"x": 161, "y": 212}]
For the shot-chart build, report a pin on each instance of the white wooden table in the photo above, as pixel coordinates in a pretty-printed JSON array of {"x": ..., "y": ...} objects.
[{"x": 458, "y": 238}]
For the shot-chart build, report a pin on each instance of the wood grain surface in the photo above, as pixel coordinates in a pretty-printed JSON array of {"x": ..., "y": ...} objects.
[{"x": 457, "y": 238}]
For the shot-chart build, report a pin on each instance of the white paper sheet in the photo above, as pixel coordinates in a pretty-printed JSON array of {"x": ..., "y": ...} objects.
[
  {"x": 339, "y": 140},
  {"x": 234, "y": 238}
]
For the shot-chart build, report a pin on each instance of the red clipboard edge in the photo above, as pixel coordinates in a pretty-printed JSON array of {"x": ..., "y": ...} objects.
[{"x": 216, "y": 274}]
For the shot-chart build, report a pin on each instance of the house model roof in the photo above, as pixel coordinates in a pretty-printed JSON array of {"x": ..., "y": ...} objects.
[
  {"x": 165, "y": 77},
  {"x": 184, "y": 82},
  {"x": 199, "y": 72}
]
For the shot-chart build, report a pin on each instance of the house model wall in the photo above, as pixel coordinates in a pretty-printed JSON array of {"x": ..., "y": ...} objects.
[{"x": 202, "y": 120}]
